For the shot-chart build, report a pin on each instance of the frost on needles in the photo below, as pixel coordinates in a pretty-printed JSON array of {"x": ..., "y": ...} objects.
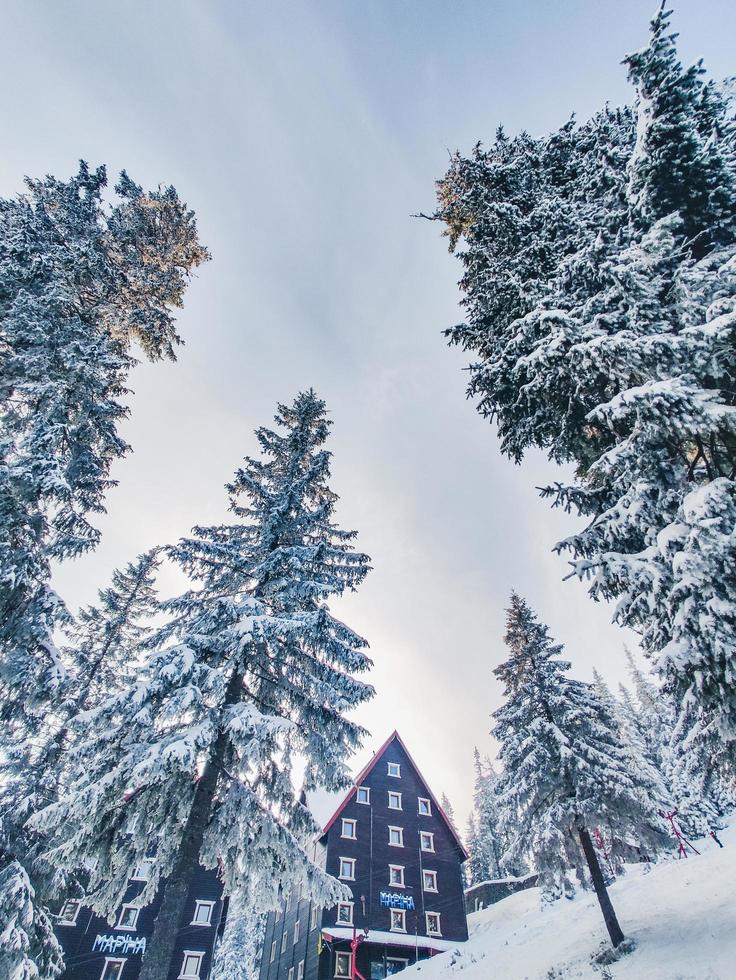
[
  {"x": 599, "y": 280},
  {"x": 195, "y": 757}
]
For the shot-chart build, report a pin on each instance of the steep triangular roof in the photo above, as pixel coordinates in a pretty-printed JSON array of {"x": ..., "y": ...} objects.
[{"x": 365, "y": 772}]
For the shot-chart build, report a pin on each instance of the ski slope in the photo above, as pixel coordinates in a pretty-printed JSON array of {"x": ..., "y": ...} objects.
[{"x": 682, "y": 915}]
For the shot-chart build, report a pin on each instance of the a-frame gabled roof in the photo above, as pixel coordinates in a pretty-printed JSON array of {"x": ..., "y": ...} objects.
[{"x": 364, "y": 773}]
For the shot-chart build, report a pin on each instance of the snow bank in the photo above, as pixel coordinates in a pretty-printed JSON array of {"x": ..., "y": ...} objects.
[{"x": 681, "y": 914}]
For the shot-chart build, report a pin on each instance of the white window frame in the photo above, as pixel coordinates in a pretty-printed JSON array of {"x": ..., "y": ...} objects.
[
  {"x": 428, "y": 811},
  {"x": 391, "y": 882},
  {"x": 128, "y": 906},
  {"x": 341, "y": 956},
  {"x": 402, "y": 913},
  {"x": 300, "y": 970},
  {"x": 429, "y": 888},
  {"x": 297, "y": 930},
  {"x": 139, "y": 874},
  {"x": 393, "y": 798},
  {"x": 401, "y": 837},
  {"x": 194, "y": 953},
  {"x": 122, "y": 960},
  {"x": 423, "y": 836},
  {"x": 432, "y": 932},
  {"x": 287, "y": 902},
  {"x": 351, "y": 862},
  {"x": 273, "y": 951},
  {"x": 397, "y": 959},
  {"x": 367, "y": 791},
  {"x": 344, "y": 922},
  {"x": 313, "y": 920},
  {"x": 202, "y": 904},
  {"x": 65, "y": 920},
  {"x": 348, "y": 822},
  {"x": 394, "y": 770},
  {"x": 284, "y": 940},
  {"x": 291, "y": 973}
]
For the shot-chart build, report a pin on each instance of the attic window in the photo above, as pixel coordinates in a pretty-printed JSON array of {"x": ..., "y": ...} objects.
[
  {"x": 425, "y": 807},
  {"x": 349, "y": 829},
  {"x": 363, "y": 795},
  {"x": 394, "y": 769}
]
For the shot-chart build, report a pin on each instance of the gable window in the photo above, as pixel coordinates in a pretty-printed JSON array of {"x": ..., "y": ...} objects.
[
  {"x": 433, "y": 923},
  {"x": 426, "y": 840},
  {"x": 202, "y": 913},
  {"x": 394, "y": 801},
  {"x": 347, "y": 869},
  {"x": 297, "y": 929},
  {"x": 363, "y": 795},
  {"x": 69, "y": 912},
  {"x": 128, "y": 918},
  {"x": 396, "y": 875},
  {"x": 283, "y": 941},
  {"x": 425, "y": 807},
  {"x": 398, "y": 920},
  {"x": 142, "y": 871},
  {"x": 113, "y": 968},
  {"x": 344, "y": 913},
  {"x": 394, "y": 769},
  {"x": 429, "y": 881},
  {"x": 273, "y": 951},
  {"x": 396, "y": 836},
  {"x": 344, "y": 965},
  {"x": 350, "y": 829},
  {"x": 191, "y": 965},
  {"x": 313, "y": 920},
  {"x": 300, "y": 970}
]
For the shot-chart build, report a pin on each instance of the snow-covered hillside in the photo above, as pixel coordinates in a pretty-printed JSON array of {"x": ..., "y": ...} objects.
[{"x": 682, "y": 915}]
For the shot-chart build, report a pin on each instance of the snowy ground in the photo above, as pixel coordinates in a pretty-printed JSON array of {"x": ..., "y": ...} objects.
[{"x": 682, "y": 916}]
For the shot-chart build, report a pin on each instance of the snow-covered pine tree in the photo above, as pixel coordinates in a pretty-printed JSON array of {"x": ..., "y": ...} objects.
[
  {"x": 600, "y": 292},
  {"x": 488, "y": 844},
  {"x": 196, "y": 755},
  {"x": 238, "y": 952},
  {"x": 29, "y": 949},
  {"x": 81, "y": 282},
  {"x": 566, "y": 770},
  {"x": 448, "y": 809}
]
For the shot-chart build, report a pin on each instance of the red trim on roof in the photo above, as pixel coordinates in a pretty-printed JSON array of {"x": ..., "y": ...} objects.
[{"x": 366, "y": 770}]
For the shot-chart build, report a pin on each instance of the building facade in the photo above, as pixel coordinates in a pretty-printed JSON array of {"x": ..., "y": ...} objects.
[
  {"x": 94, "y": 949},
  {"x": 395, "y": 849}
]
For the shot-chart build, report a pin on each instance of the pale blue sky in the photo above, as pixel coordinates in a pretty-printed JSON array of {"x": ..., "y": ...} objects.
[{"x": 304, "y": 135}]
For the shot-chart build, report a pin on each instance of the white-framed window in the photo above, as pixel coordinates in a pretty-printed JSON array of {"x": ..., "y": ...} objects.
[
  {"x": 343, "y": 965},
  {"x": 426, "y": 840},
  {"x": 202, "y": 913},
  {"x": 113, "y": 968},
  {"x": 347, "y": 869},
  {"x": 396, "y": 836},
  {"x": 396, "y": 876},
  {"x": 363, "y": 795},
  {"x": 315, "y": 914},
  {"x": 142, "y": 871},
  {"x": 191, "y": 964},
  {"x": 283, "y": 941},
  {"x": 69, "y": 912},
  {"x": 398, "y": 920},
  {"x": 128, "y": 918},
  {"x": 273, "y": 951},
  {"x": 395, "y": 964},
  {"x": 394, "y": 801},
  {"x": 297, "y": 930},
  {"x": 349, "y": 829},
  {"x": 287, "y": 902},
  {"x": 429, "y": 881},
  {"x": 291, "y": 973},
  {"x": 433, "y": 923},
  {"x": 300, "y": 970},
  {"x": 425, "y": 807},
  {"x": 394, "y": 769},
  {"x": 344, "y": 913}
]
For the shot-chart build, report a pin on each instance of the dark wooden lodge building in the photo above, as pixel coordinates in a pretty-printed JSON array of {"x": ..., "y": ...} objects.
[
  {"x": 395, "y": 848},
  {"x": 94, "y": 949}
]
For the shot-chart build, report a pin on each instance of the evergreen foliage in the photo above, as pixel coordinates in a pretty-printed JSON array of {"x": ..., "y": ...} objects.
[
  {"x": 485, "y": 843},
  {"x": 238, "y": 953},
  {"x": 28, "y": 948},
  {"x": 599, "y": 280},
  {"x": 195, "y": 755}
]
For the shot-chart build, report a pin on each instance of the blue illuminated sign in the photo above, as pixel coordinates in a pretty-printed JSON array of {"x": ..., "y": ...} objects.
[{"x": 391, "y": 900}]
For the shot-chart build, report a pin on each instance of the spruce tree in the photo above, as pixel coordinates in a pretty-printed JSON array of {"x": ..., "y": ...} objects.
[
  {"x": 237, "y": 955},
  {"x": 599, "y": 280},
  {"x": 29, "y": 949},
  {"x": 566, "y": 770},
  {"x": 488, "y": 842},
  {"x": 196, "y": 755}
]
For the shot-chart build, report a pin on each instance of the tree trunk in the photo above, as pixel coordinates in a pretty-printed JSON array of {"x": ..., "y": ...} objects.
[
  {"x": 609, "y": 916},
  {"x": 157, "y": 960}
]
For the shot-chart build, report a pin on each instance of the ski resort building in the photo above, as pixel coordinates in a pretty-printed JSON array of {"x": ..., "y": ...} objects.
[
  {"x": 393, "y": 846},
  {"x": 95, "y": 949}
]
